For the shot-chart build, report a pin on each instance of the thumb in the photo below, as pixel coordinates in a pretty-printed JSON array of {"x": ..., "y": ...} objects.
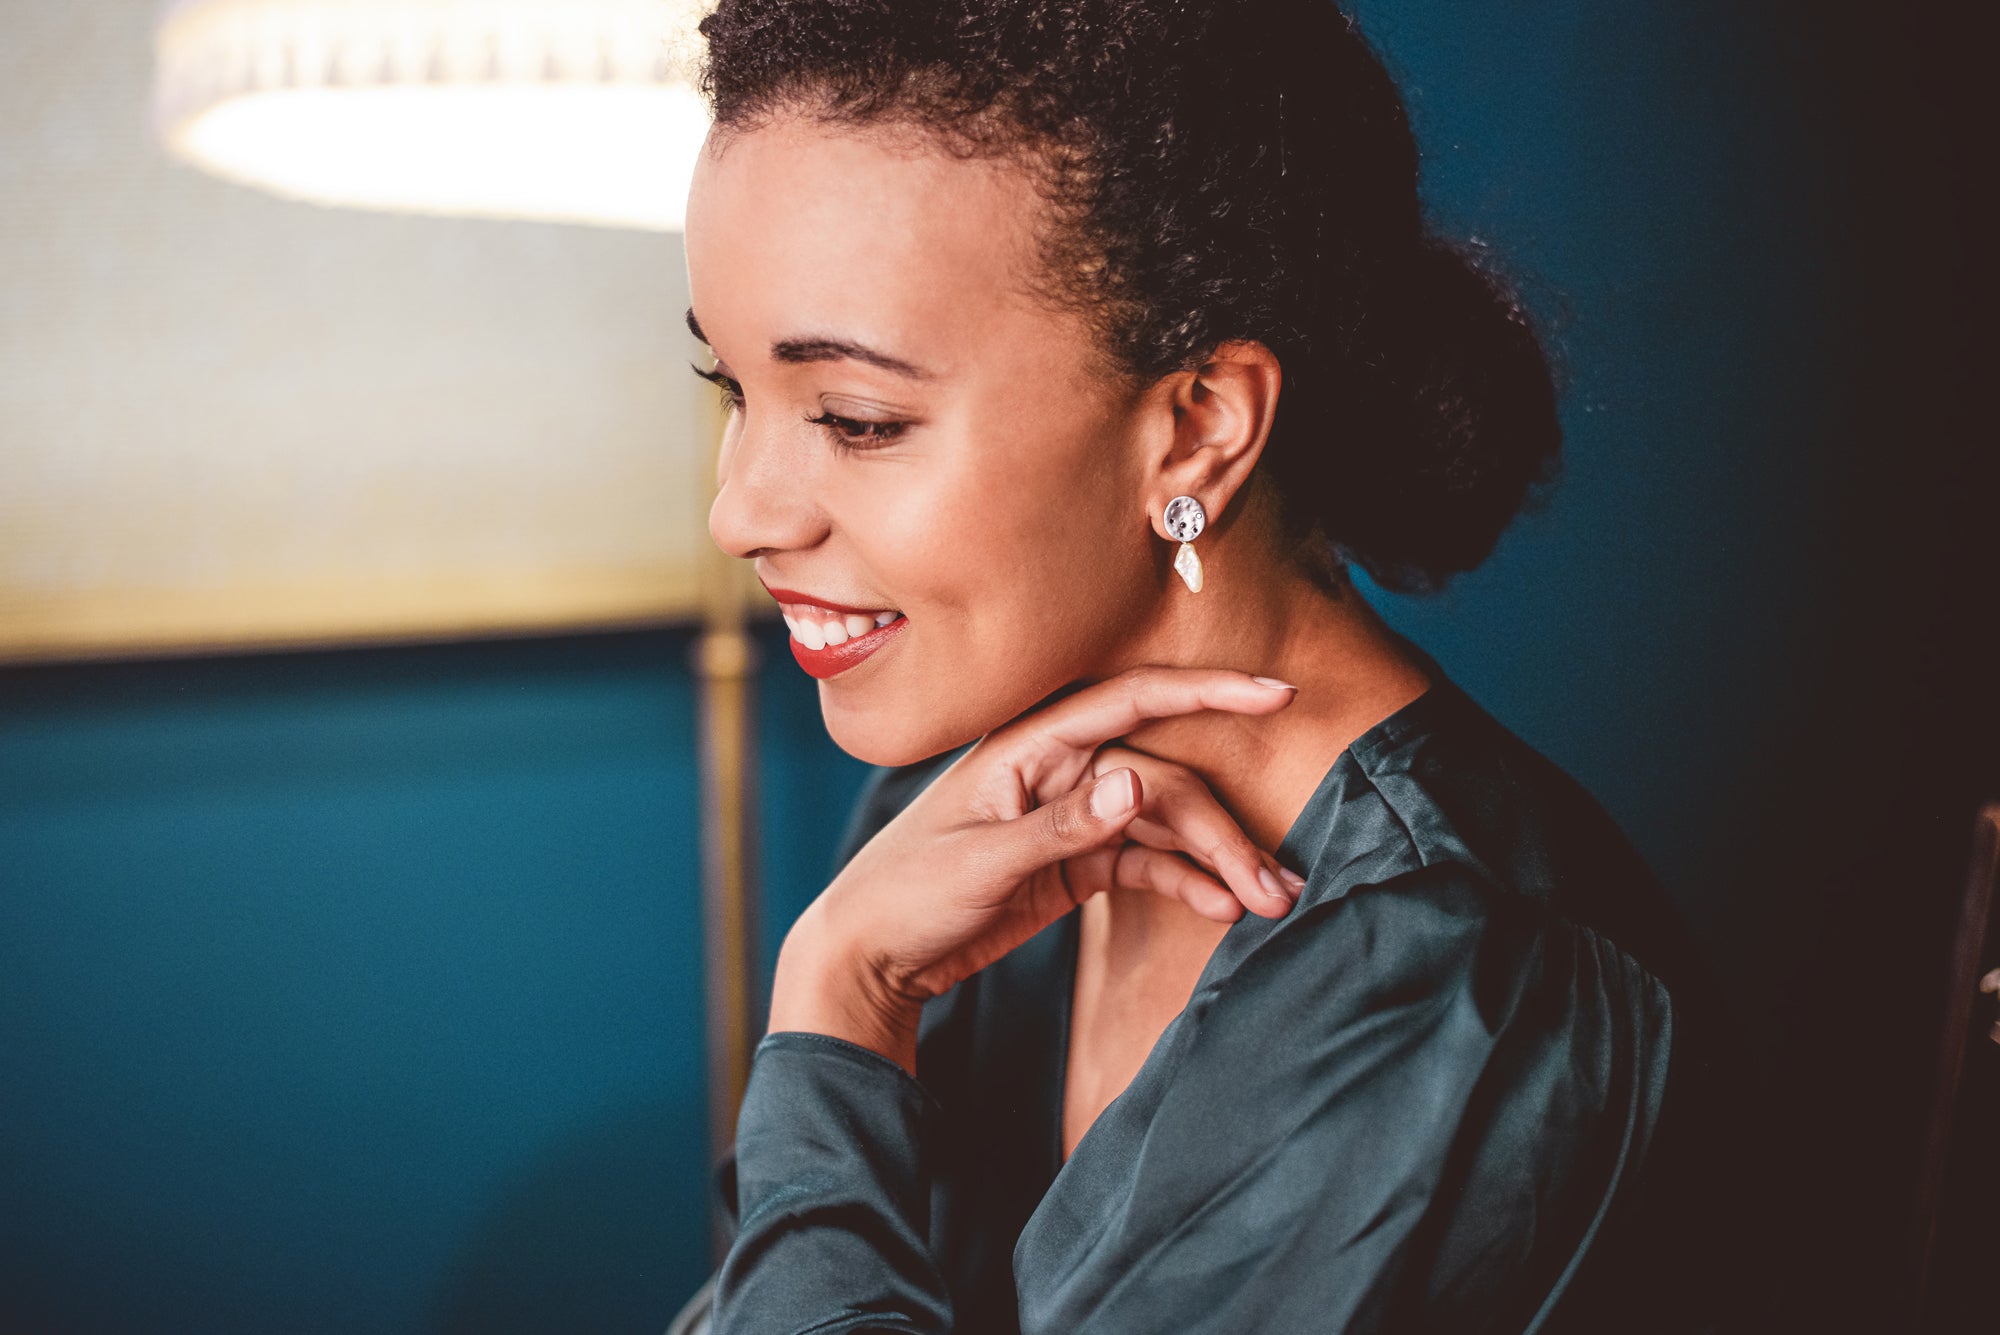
[{"x": 1077, "y": 822}]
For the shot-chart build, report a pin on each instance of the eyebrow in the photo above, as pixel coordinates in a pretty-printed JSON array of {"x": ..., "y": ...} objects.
[{"x": 829, "y": 350}]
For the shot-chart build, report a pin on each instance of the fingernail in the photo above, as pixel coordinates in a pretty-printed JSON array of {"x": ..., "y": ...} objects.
[
  {"x": 1112, "y": 794},
  {"x": 1292, "y": 878},
  {"x": 1274, "y": 683},
  {"x": 1271, "y": 886}
]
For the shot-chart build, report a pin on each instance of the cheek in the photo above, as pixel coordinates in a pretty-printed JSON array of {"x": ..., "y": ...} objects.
[
  {"x": 1043, "y": 565},
  {"x": 1012, "y": 524},
  {"x": 1078, "y": 589},
  {"x": 1014, "y": 586}
]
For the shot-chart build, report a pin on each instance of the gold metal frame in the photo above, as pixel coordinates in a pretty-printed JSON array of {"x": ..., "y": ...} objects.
[{"x": 725, "y": 663}]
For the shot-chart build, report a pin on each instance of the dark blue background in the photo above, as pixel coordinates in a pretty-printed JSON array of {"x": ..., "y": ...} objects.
[{"x": 361, "y": 990}]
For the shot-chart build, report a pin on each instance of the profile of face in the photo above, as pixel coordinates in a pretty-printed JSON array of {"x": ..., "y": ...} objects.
[{"x": 917, "y": 431}]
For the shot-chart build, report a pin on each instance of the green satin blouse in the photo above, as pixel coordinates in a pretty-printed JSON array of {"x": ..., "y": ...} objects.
[{"x": 1468, "y": 1083}]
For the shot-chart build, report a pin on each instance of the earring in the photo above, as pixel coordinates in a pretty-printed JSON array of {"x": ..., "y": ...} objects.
[{"x": 1185, "y": 519}]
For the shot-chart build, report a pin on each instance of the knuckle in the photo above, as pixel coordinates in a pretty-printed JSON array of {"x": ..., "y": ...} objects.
[
  {"x": 1139, "y": 674},
  {"x": 1111, "y": 755},
  {"x": 1064, "y": 826},
  {"x": 1231, "y": 848},
  {"x": 1144, "y": 684}
]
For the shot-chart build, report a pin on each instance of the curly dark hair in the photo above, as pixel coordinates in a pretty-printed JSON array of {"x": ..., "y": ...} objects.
[{"x": 1215, "y": 170}]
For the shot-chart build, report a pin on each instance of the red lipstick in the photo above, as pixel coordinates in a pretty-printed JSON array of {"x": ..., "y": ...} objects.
[
  {"x": 794, "y": 596},
  {"x": 835, "y": 659}
]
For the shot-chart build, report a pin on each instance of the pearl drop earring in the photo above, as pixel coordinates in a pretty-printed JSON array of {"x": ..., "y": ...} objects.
[{"x": 1185, "y": 519}]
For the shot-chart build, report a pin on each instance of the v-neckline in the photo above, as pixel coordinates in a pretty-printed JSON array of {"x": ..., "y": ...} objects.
[{"x": 1382, "y": 733}]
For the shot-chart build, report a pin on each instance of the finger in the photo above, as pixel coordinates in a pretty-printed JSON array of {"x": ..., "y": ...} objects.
[
  {"x": 1087, "y": 817},
  {"x": 1142, "y": 868},
  {"x": 1114, "y": 707},
  {"x": 1159, "y": 836},
  {"x": 1180, "y": 806},
  {"x": 1151, "y": 834}
]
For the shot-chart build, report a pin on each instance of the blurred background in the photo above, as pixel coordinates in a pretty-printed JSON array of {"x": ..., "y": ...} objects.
[{"x": 366, "y": 678}]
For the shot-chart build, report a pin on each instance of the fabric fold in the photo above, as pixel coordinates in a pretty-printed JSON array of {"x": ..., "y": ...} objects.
[
  {"x": 1471, "y": 1083},
  {"x": 832, "y": 1196}
]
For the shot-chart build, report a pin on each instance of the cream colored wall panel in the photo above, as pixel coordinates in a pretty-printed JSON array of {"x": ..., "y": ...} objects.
[{"x": 231, "y": 420}]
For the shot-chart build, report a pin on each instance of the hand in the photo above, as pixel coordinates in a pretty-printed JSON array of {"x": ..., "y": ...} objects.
[
  {"x": 1031, "y": 821},
  {"x": 1219, "y": 876}
]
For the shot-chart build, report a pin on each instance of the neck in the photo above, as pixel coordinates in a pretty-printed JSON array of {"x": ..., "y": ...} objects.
[{"x": 1260, "y": 613}]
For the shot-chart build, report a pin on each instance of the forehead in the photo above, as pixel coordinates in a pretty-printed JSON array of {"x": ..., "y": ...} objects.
[{"x": 795, "y": 229}]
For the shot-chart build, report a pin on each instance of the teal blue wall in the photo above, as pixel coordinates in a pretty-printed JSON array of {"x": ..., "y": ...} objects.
[
  {"x": 358, "y": 991},
  {"x": 362, "y": 990}
]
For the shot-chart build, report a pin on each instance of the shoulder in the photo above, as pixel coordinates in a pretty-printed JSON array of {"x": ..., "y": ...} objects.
[
  {"x": 1455, "y": 789},
  {"x": 1443, "y": 958},
  {"x": 1425, "y": 1081},
  {"x": 1463, "y": 1021},
  {"x": 1469, "y": 900}
]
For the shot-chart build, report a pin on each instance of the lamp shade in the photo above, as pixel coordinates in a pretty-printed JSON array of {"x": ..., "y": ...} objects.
[{"x": 560, "y": 110}]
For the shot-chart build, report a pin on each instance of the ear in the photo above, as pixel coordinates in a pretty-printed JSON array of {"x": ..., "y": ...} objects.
[{"x": 1222, "y": 415}]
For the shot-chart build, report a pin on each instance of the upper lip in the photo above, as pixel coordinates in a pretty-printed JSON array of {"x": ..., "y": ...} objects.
[{"x": 794, "y": 596}]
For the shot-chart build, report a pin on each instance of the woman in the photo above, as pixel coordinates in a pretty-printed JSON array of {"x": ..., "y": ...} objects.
[{"x": 1202, "y": 959}]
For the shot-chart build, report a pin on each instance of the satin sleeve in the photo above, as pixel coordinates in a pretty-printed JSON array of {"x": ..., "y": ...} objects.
[
  {"x": 833, "y": 1196},
  {"x": 1413, "y": 1106},
  {"x": 825, "y": 1192}
]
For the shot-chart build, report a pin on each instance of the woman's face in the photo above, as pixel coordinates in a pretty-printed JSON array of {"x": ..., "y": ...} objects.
[{"x": 979, "y": 479}]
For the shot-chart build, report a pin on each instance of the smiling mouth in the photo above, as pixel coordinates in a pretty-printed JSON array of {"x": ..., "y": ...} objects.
[
  {"x": 829, "y": 637},
  {"x": 823, "y": 628}
]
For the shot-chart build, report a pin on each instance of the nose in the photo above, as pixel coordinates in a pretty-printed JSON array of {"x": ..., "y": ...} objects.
[{"x": 765, "y": 484}]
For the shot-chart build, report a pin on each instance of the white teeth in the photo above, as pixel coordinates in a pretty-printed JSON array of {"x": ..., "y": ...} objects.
[{"x": 819, "y": 634}]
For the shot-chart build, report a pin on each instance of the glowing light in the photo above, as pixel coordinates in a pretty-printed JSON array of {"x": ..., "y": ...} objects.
[{"x": 561, "y": 110}]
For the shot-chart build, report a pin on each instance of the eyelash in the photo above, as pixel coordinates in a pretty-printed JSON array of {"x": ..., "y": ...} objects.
[
  {"x": 732, "y": 393},
  {"x": 878, "y": 433},
  {"x": 883, "y": 432}
]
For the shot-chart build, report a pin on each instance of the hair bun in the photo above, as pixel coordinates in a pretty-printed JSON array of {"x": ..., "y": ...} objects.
[{"x": 1448, "y": 417}]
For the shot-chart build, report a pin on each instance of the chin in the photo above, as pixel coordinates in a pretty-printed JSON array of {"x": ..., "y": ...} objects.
[
  {"x": 896, "y": 737},
  {"x": 906, "y": 727},
  {"x": 887, "y": 741}
]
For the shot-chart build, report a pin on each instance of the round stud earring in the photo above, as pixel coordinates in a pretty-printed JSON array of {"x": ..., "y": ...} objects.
[{"x": 1185, "y": 520}]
